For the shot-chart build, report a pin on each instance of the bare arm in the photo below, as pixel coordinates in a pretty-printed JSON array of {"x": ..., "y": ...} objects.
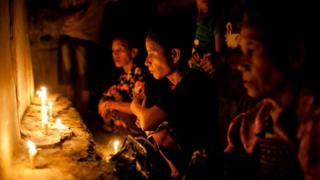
[
  {"x": 149, "y": 118},
  {"x": 123, "y": 107}
]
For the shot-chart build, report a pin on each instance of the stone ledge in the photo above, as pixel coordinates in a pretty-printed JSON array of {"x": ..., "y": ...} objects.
[{"x": 62, "y": 155}]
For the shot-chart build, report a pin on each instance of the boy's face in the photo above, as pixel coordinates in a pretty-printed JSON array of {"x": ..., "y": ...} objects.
[
  {"x": 158, "y": 63},
  {"x": 121, "y": 54},
  {"x": 260, "y": 77}
]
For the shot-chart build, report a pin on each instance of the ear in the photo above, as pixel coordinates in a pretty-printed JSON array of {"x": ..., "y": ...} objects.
[
  {"x": 175, "y": 55},
  {"x": 134, "y": 52}
]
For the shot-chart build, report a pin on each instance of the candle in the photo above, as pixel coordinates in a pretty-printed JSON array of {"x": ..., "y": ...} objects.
[
  {"x": 39, "y": 93},
  {"x": 59, "y": 124},
  {"x": 116, "y": 146},
  {"x": 50, "y": 105},
  {"x": 32, "y": 152},
  {"x": 44, "y": 119},
  {"x": 44, "y": 116},
  {"x": 43, "y": 95}
]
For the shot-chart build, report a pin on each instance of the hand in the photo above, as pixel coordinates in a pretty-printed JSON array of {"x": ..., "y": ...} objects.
[
  {"x": 104, "y": 106},
  {"x": 194, "y": 60},
  {"x": 207, "y": 64},
  {"x": 136, "y": 105}
]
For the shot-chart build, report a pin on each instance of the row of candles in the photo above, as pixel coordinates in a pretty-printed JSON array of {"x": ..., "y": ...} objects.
[{"x": 45, "y": 110}]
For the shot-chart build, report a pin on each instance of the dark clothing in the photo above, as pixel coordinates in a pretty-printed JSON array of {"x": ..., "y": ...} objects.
[
  {"x": 191, "y": 109},
  {"x": 73, "y": 61}
]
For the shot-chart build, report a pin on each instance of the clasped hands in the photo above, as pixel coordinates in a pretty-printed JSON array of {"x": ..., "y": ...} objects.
[{"x": 206, "y": 62}]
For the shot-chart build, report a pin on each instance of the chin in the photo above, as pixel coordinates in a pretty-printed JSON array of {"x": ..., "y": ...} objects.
[
  {"x": 157, "y": 77},
  {"x": 253, "y": 93}
]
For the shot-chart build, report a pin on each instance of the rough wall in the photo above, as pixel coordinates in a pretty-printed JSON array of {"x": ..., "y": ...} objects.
[{"x": 16, "y": 81}]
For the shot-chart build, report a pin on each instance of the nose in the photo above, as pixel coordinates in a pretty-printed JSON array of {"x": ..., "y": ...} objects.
[{"x": 147, "y": 61}]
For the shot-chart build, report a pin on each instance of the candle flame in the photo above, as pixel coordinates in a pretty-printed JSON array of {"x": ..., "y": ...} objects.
[
  {"x": 39, "y": 93},
  {"x": 32, "y": 147},
  {"x": 116, "y": 144},
  {"x": 59, "y": 124},
  {"x": 43, "y": 95},
  {"x": 43, "y": 89}
]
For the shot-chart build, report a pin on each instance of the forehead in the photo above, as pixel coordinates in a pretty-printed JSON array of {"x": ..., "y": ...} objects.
[
  {"x": 249, "y": 32},
  {"x": 152, "y": 45},
  {"x": 119, "y": 42}
]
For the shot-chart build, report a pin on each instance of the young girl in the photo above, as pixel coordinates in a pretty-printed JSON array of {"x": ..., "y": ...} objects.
[{"x": 114, "y": 106}]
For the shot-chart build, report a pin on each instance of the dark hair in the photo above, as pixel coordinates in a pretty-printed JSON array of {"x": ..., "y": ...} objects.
[
  {"x": 128, "y": 39},
  {"x": 280, "y": 29},
  {"x": 173, "y": 32},
  {"x": 133, "y": 41}
]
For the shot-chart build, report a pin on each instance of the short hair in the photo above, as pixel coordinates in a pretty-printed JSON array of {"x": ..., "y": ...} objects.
[
  {"x": 127, "y": 38},
  {"x": 173, "y": 32}
]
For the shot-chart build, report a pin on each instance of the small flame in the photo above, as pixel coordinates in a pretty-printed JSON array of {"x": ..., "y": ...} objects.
[
  {"x": 38, "y": 93},
  {"x": 32, "y": 148},
  {"x": 116, "y": 144},
  {"x": 44, "y": 90},
  {"x": 59, "y": 124},
  {"x": 43, "y": 95}
]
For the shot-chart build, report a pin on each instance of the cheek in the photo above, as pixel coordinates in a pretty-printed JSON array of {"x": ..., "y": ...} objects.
[{"x": 267, "y": 81}]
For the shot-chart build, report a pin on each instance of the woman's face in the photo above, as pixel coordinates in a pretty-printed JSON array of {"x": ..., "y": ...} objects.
[
  {"x": 260, "y": 77},
  {"x": 121, "y": 54},
  {"x": 203, "y": 5},
  {"x": 158, "y": 63}
]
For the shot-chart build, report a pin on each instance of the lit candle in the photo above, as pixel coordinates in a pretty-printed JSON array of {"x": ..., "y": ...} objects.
[
  {"x": 59, "y": 124},
  {"x": 44, "y": 115},
  {"x": 43, "y": 95},
  {"x": 32, "y": 152},
  {"x": 39, "y": 93},
  {"x": 116, "y": 146},
  {"x": 50, "y": 104},
  {"x": 44, "y": 119}
]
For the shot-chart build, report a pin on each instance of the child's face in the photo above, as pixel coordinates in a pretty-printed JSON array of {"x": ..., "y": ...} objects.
[
  {"x": 157, "y": 62},
  {"x": 260, "y": 77},
  {"x": 122, "y": 55}
]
